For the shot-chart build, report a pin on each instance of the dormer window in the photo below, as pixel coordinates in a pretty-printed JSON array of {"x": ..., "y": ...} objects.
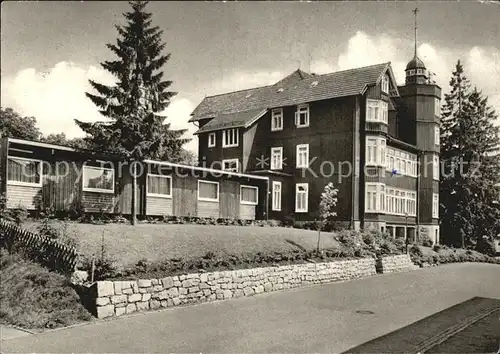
[
  {"x": 411, "y": 72},
  {"x": 230, "y": 138},
  {"x": 385, "y": 84},
  {"x": 277, "y": 119},
  {"x": 302, "y": 116}
]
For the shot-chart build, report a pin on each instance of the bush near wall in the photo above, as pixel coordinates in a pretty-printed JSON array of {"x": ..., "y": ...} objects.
[{"x": 33, "y": 297}]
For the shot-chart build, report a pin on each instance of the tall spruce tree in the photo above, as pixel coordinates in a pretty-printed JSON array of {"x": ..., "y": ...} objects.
[
  {"x": 134, "y": 129},
  {"x": 471, "y": 165}
]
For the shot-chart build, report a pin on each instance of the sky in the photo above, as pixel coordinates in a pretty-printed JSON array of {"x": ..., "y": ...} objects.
[{"x": 51, "y": 49}]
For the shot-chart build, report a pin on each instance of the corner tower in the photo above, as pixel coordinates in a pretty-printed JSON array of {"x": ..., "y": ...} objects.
[{"x": 421, "y": 98}]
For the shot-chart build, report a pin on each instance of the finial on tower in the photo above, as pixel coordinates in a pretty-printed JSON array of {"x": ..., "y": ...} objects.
[{"x": 415, "y": 13}]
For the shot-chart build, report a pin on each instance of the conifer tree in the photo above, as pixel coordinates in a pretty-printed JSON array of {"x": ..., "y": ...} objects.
[
  {"x": 471, "y": 165},
  {"x": 134, "y": 129}
]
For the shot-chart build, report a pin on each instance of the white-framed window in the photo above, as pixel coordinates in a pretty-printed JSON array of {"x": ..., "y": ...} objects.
[
  {"x": 211, "y": 139},
  {"x": 249, "y": 195},
  {"x": 302, "y": 116},
  {"x": 24, "y": 172},
  {"x": 301, "y": 197},
  {"x": 435, "y": 167},
  {"x": 276, "y": 158},
  {"x": 385, "y": 84},
  {"x": 277, "y": 119},
  {"x": 375, "y": 197},
  {"x": 400, "y": 201},
  {"x": 437, "y": 135},
  {"x": 377, "y": 111},
  {"x": 276, "y": 196},
  {"x": 231, "y": 165},
  {"x": 435, "y": 205},
  {"x": 159, "y": 186},
  {"x": 437, "y": 107},
  {"x": 230, "y": 137},
  {"x": 302, "y": 156},
  {"x": 375, "y": 151},
  {"x": 208, "y": 191},
  {"x": 98, "y": 179},
  {"x": 410, "y": 72},
  {"x": 404, "y": 163}
]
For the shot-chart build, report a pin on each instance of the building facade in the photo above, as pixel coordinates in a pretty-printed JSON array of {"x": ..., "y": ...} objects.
[
  {"x": 38, "y": 176},
  {"x": 376, "y": 141}
]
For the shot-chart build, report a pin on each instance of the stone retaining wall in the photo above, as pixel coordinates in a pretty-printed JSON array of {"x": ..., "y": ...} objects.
[
  {"x": 395, "y": 264},
  {"x": 115, "y": 298}
]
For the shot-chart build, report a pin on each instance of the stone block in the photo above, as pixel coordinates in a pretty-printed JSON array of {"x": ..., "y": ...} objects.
[
  {"x": 102, "y": 301},
  {"x": 203, "y": 286},
  {"x": 134, "y": 297},
  {"x": 154, "y": 304},
  {"x": 193, "y": 289},
  {"x": 238, "y": 293},
  {"x": 143, "y": 290},
  {"x": 157, "y": 288},
  {"x": 117, "y": 299},
  {"x": 211, "y": 297},
  {"x": 204, "y": 277},
  {"x": 164, "y": 303},
  {"x": 207, "y": 292},
  {"x": 268, "y": 286},
  {"x": 127, "y": 291},
  {"x": 183, "y": 291},
  {"x": 259, "y": 289},
  {"x": 187, "y": 283},
  {"x": 177, "y": 283},
  {"x": 248, "y": 291},
  {"x": 105, "y": 311},
  {"x": 173, "y": 292},
  {"x": 120, "y": 311},
  {"x": 167, "y": 282},
  {"x": 118, "y": 287},
  {"x": 144, "y": 283},
  {"x": 146, "y": 297},
  {"x": 182, "y": 277},
  {"x": 170, "y": 303},
  {"x": 105, "y": 288},
  {"x": 162, "y": 295},
  {"x": 131, "y": 308},
  {"x": 143, "y": 305},
  {"x": 155, "y": 282},
  {"x": 227, "y": 294}
]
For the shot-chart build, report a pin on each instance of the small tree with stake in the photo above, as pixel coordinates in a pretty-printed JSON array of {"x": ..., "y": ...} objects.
[
  {"x": 135, "y": 130},
  {"x": 326, "y": 205}
]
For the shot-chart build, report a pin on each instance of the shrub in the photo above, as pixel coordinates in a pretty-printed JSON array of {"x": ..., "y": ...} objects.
[
  {"x": 425, "y": 240},
  {"x": 415, "y": 250},
  {"x": 101, "y": 267},
  {"x": 437, "y": 248},
  {"x": 33, "y": 297}
]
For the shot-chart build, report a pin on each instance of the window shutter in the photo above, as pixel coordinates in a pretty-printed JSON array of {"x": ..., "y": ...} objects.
[{"x": 296, "y": 118}]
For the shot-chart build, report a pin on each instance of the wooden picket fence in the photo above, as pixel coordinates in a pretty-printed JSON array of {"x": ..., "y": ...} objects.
[{"x": 41, "y": 249}]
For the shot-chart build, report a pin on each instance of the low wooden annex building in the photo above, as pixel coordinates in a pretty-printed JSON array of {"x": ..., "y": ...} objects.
[{"x": 37, "y": 176}]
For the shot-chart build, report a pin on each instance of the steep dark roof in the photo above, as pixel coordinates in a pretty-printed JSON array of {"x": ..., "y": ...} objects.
[
  {"x": 415, "y": 63},
  {"x": 292, "y": 91},
  {"x": 232, "y": 120}
]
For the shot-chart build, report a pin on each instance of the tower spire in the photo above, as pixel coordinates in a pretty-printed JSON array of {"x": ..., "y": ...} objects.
[{"x": 415, "y": 13}]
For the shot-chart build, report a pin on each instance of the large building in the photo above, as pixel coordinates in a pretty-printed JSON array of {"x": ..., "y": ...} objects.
[{"x": 376, "y": 141}]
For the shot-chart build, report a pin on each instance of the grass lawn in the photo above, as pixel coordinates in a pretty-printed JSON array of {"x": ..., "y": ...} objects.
[{"x": 155, "y": 242}]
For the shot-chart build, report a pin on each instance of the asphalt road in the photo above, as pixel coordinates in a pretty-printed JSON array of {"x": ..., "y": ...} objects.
[{"x": 322, "y": 318}]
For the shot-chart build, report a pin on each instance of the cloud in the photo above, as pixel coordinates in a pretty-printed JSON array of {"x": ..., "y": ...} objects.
[
  {"x": 55, "y": 97},
  {"x": 178, "y": 114}
]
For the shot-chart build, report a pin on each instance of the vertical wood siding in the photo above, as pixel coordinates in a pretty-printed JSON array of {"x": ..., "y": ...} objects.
[
  {"x": 184, "y": 195},
  {"x": 4, "y": 146},
  {"x": 229, "y": 199}
]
